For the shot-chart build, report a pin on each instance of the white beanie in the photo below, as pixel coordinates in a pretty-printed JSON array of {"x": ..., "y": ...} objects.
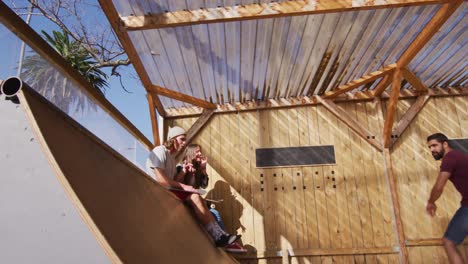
[{"x": 174, "y": 132}]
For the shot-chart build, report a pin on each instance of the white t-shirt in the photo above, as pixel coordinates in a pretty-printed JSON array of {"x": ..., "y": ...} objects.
[{"x": 161, "y": 158}]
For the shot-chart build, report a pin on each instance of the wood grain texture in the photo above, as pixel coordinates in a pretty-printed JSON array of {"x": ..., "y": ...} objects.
[
  {"x": 258, "y": 11},
  {"x": 357, "y": 216}
]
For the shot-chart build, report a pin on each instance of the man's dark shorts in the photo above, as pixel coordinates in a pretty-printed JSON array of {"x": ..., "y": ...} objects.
[{"x": 457, "y": 229}]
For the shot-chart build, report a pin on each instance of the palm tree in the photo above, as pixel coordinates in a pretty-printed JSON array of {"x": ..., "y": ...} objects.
[{"x": 52, "y": 84}]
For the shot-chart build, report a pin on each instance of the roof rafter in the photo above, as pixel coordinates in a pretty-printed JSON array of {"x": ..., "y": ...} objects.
[
  {"x": 16, "y": 25},
  {"x": 361, "y": 81},
  {"x": 428, "y": 32},
  {"x": 113, "y": 17},
  {"x": 180, "y": 96},
  {"x": 258, "y": 11}
]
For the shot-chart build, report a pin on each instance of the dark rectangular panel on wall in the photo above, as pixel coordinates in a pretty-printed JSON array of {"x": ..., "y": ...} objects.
[
  {"x": 460, "y": 144},
  {"x": 295, "y": 156}
]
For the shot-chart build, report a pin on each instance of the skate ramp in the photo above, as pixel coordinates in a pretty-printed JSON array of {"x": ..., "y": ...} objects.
[{"x": 133, "y": 218}]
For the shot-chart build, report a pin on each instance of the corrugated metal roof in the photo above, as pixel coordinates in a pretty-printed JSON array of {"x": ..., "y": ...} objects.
[{"x": 292, "y": 56}]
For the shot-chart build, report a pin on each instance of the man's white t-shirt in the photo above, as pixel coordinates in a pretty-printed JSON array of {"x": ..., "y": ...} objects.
[{"x": 161, "y": 158}]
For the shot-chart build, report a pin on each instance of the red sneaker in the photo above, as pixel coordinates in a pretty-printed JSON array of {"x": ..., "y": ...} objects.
[{"x": 235, "y": 248}]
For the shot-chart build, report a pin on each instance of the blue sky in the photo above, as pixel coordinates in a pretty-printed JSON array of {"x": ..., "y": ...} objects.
[{"x": 133, "y": 105}]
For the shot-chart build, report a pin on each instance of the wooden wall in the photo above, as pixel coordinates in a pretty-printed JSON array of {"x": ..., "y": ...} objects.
[
  {"x": 416, "y": 171},
  {"x": 320, "y": 213}
]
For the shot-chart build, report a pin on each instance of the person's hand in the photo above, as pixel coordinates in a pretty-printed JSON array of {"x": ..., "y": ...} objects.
[
  {"x": 431, "y": 208},
  {"x": 203, "y": 162},
  {"x": 188, "y": 168}
]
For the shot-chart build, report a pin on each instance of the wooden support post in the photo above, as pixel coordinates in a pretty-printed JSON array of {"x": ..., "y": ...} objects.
[
  {"x": 396, "y": 204},
  {"x": 391, "y": 108},
  {"x": 154, "y": 120},
  {"x": 392, "y": 184},
  {"x": 409, "y": 116},
  {"x": 349, "y": 121}
]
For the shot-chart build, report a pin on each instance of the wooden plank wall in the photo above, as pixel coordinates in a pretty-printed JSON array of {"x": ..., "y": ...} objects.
[
  {"x": 316, "y": 211},
  {"x": 416, "y": 171}
]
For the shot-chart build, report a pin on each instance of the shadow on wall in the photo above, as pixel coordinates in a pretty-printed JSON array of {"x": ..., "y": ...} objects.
[{"x": 231, "y": 211}]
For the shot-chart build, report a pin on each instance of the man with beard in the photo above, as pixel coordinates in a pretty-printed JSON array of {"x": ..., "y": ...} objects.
[{"x": 454, "y": 167}]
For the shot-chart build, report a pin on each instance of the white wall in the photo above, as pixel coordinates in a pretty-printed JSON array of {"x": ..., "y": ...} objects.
[{"x": 38, "y": 223}]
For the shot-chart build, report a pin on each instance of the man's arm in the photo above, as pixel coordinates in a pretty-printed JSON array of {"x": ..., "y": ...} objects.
[
  {"x": 436, "y": 192},
  {"x": 180, "y": 173}
]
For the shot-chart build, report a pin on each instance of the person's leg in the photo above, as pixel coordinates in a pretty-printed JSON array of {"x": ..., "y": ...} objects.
[
  {"x": 204, "y": 215},
  {"x": 201, "y": 210},
  {"x": 453, "y": 254},
  {"x": 218, "y": 218},
  {"x": 456, "y": 232}
]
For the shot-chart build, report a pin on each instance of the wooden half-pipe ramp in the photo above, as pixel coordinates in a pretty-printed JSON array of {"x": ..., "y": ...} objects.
[{"x": 133, "y": 218}]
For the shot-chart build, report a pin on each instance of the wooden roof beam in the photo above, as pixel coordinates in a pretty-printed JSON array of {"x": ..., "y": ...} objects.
[
  {"x": 181, "y": 97},
  {"x": 312, "y": 100},
  {"x": 259, "y": 11},
  {"x": 361, "y": 81},
  {"x": 350, "y": 122},
  {"x": 414, "y": 80},
  {"x": 442, "y": 15},
  {"x": 114, "y": 19},
  {"x": 17, "y": 25}
]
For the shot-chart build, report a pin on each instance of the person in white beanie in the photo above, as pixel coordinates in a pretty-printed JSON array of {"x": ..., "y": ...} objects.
[{"x": 161, "y": 165}]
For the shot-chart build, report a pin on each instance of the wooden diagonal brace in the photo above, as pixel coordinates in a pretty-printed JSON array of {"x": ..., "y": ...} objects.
[
  {"x": 197, "y": 126},
  {"x": 350, "y": 122},
  {"x": 413, "y": 80},
  {"x": 412, "y": 112}
]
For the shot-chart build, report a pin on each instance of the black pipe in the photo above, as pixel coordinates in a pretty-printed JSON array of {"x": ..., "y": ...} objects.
[{"x": 11, "y": 86}]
